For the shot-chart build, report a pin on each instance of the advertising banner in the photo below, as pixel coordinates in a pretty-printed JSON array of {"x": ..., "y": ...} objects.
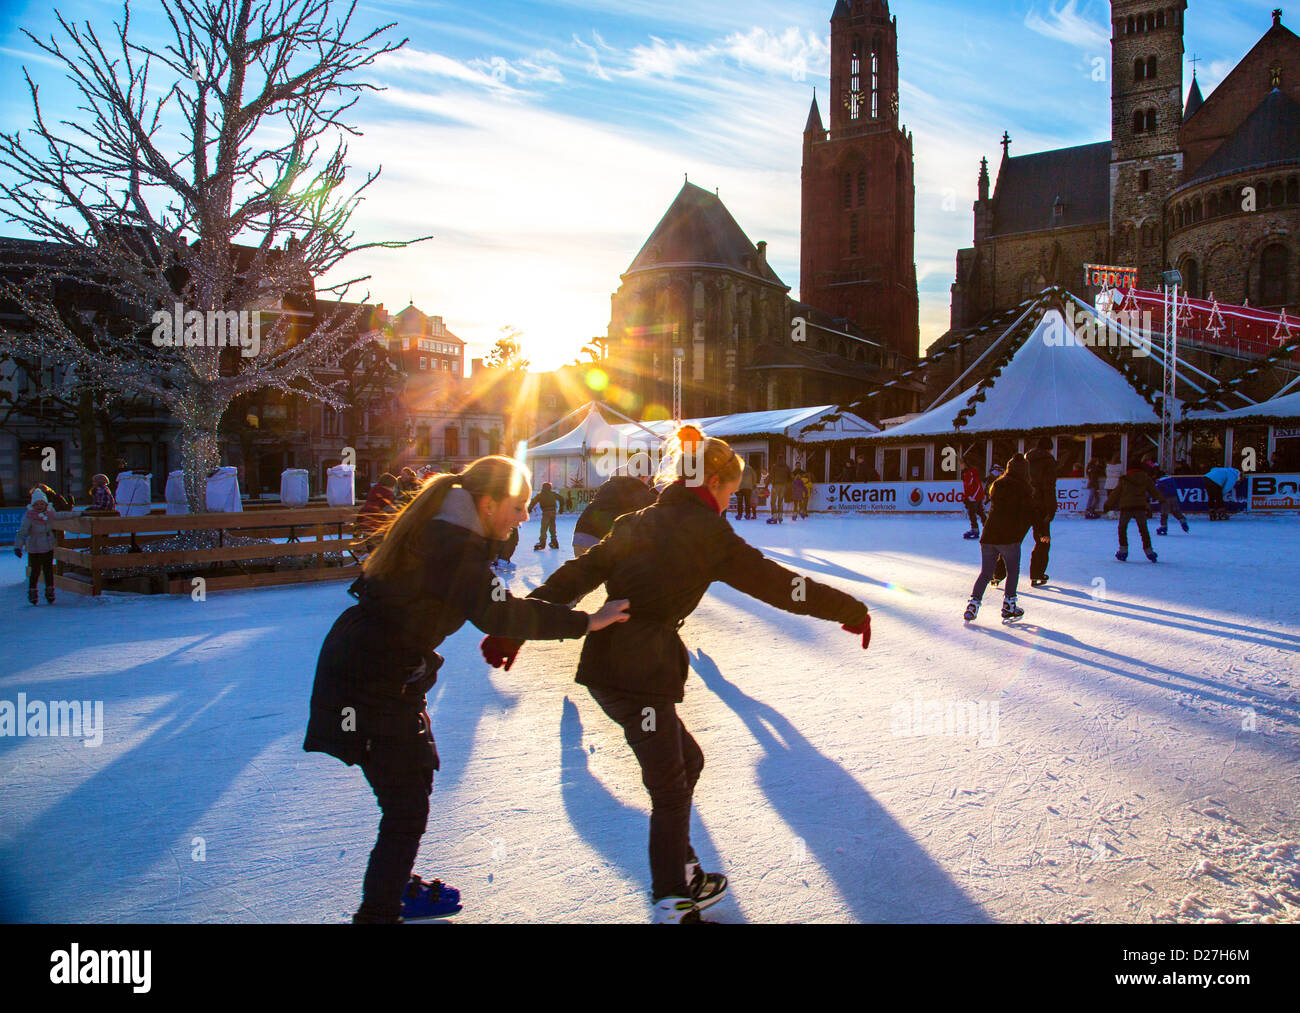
[
  {"x": 888, "y": 497},
  {"x": 1189, "y": 491},
  {"x": 9, "y": 521},
  {"x": 1268, "y": 493}
]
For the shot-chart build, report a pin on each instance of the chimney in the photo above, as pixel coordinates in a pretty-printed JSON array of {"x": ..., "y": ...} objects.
[{"x": 762, "y": 252}]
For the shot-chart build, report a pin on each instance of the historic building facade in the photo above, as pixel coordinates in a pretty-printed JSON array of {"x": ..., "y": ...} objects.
[
  {"x": 1210, "y": 186},
  {"x": 702, "y": 292}
]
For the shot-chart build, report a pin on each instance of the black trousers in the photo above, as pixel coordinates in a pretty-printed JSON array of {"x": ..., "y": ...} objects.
[
  {"x": 744, "y": 503},
  {"x": 973, "y": 511},
  {"x": 39, "y": 563},
  {"x": 400, "y": 770},
  {"x": 506, "y": 549},
  {"x": 1141, "y": 517},
  {"x": 1042, "y": 551},
  {"x": 671, "y": 762}
]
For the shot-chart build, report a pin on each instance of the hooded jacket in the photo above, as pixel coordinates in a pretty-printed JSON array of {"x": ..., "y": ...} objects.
[
  {"x": 35, "y": 532},
  {"x": 1013, "y": 512},
  {"x": 1042, "y": 478},
  {"x": 1135, "y": 491},
  {"x": 662, "y": 560},
  {"x": 379, "y": 658},
  {"x": 617, "y": 496}
]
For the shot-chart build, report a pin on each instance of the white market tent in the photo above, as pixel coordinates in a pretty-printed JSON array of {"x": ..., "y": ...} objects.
[
  {"x": 789, "y": 423},
  {"x": 1056, "y": 386},
  {"x": 1279, "y": 409}
]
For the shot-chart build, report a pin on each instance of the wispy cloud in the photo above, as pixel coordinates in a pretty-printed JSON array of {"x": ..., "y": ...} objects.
[{"x": 1068, "y": 25}]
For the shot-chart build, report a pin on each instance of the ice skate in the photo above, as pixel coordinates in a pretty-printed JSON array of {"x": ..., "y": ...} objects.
[
  {"x": 973, "y": 609},
  {"x": 1162, "y": 531},
  {"x": 429, "y": 900},
  {"x": 1122, "y": 555},
  {"x": 1039, "y": 581},
  {"x": 1011, "y": 612},
  {"x": 1186, "y": 530},
  {"x": 971, "y": 534},
  {"x": 677, "y": 911},
  {"x": 1151, "y": 555},
  {"x": 31, "y": 595},
  {"x": 706, "y": 888}
]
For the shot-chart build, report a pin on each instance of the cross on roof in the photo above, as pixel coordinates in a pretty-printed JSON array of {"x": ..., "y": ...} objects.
[{"x": 1195, "y": 61}]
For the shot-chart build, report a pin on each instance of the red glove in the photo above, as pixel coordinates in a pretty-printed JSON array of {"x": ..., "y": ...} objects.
[
  {"x": 863, "y": 629},
  {"x": 500, "y": 652}
]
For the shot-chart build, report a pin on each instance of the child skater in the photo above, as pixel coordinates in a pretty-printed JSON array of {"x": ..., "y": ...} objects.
[
  {"x": 662, "y": 560},
  {"x": 1012, "y": 516},
  {"x": 973, "y": 496},
  {"x": 427, "y": 577}
]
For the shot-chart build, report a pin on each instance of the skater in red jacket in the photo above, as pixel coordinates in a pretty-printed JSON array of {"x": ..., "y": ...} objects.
[{"x": 974, "y": 496}]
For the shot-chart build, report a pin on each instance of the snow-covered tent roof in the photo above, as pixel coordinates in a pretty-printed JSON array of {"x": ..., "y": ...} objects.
[
  {"x": 592, "y": 432},
  {"x": 1279, "y": 408},
  {"x": 1049, "y": 384},
  {"x": 790, "y": 423}
]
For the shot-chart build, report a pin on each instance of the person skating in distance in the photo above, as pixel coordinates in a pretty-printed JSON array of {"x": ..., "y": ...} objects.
[
  {"x": 662, "y": 560},
  {"x": 427, "y": 577},
  {"x": 549, "y": 500},
  {"x": 1015, "y": 511},
  {"x": 1132, "y": 497}
]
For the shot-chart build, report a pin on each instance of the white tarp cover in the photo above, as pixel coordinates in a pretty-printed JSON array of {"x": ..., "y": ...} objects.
[
  {"x": 134, "y": 494},
  {"x": 223, "y": 492},
  {"x": 1044, "y": 386},
  {"x": 592, "y": 432},
  {"x": 175, "y": 494},
  {"x": 341, "y": 486},
  {"x": 295, "y": 490}
]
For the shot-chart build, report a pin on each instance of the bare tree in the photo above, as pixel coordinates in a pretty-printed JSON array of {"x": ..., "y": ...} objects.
[{"x": 190, "y": 162}]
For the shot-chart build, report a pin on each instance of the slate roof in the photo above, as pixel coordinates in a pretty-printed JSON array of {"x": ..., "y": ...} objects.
[
  {"x": 1194, "y": 99},
  {"x": 698, "y": 229},
  {"x": 1028, "y": 186},
  {"x": 1270, "y": 134}
]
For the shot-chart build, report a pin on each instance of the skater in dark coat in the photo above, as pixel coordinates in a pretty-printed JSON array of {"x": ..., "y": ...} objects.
[
  {"x": 1132, "y": 498},
  {"x": 1096, "y": 475},
  {"x": 1015, "y": 511},
  {"x": 548, "y": 499},
  {"x": 427, "y": 578},
  {"x": 1168, "y": 504},
  {"x": 617, "y": 495},
  {"x": 663, "y": 559},
  {"x": 779, "y": 480},
  {"x": 1042, "y": 478},
  {"x": 973, "y": 495}
]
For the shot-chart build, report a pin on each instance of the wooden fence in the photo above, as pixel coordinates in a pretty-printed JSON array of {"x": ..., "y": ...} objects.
[{"x": 312, "y": 534}]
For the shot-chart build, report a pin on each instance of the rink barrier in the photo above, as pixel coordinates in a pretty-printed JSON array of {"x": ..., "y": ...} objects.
[{"x": 81, "y": 561}]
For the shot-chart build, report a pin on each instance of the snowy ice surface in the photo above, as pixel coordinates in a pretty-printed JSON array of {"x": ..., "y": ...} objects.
[{"x": 1131, "y": 752}]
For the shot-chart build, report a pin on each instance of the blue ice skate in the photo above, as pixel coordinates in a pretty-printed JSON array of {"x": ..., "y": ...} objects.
[{"x": 429, "y": 900}]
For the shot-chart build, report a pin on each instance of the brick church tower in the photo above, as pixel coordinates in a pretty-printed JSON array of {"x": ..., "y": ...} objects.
[
  {"x": 859, "y": 193},
  {"x": 1147, "y": 113}
]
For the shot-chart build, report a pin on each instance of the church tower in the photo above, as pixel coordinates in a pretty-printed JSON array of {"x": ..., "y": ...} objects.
[
  {"x": 859, "y": 193},
  {"x": 1146, "y": 113}
]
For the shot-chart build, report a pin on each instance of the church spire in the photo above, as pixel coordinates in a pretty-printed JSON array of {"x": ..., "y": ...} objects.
[
  {"x": 1194, "y": 99},
  {"x": 842, "y": 10},
  {"x": 984, "y": 179},
  {"x": 815, "y": 125}
]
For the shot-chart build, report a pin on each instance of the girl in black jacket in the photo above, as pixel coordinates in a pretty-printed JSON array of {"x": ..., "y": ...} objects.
[
  {"x": 428, "y": 577},
  {"x": 662, "y": 560},
  {"x": 1014, "y": 512}
]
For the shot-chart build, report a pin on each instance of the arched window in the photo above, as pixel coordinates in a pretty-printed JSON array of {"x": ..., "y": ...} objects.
[
  {"x": 1293, "y": 190},
  {"x": 842, "y": 350},
  {"x": 1148, "y": 235},
  {"x": 1152, "y": 68},
  {"x": 1261, "y": 193},
  {"x": 1132, "y": 26},
  {"x": 1274, "y": 275},
  {"x": 875, "y": 85},
  {"x": 1151, "y": 121},
  {"x": 1197, "y": 213},
  {"x": 855, "y": 80},
  {"x": 1160, "y": 20},
  {"x": 1178, "y": 218},
  {"x": 1139, "y": 69},
  {"x": 862, "y": 187},
  {"x": 1212, "y": 206},
  {"x": 1192, "y": 278},
  {"x": 1277, "y": 194}
]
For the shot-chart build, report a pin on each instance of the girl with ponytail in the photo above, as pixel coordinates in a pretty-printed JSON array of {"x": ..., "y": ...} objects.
[
  {"x": 427, "y": 578},
  {"x": 662, "y": 560}
]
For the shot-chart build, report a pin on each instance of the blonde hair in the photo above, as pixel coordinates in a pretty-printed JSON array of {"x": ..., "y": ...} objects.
[
  {"x": 691, "y": 455},
  {"x": 494, "y": 477}
]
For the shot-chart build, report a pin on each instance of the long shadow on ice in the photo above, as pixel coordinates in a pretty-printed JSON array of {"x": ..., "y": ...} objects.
[
  {"x": 98, "y": 839},
  {"x": 620, "y": 833},
  {"x": 881, "y": 872}
]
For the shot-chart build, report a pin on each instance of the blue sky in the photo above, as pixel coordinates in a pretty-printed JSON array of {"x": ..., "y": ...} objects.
[{"x": 541, "y": 142}]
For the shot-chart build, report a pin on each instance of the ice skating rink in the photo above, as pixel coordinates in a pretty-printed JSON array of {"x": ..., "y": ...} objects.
[{"x": 1129, "y": 752}]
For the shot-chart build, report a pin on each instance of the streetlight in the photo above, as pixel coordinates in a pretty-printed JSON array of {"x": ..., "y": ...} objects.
[{"x": 1173, "y": 280}]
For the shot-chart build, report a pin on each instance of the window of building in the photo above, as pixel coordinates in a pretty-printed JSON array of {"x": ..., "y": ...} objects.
[
  {"x": 848, "y": 189},
  {"x": 862, "y": 188},
  {"x": 330, "y": 420},
  {"x": 855, "y": 80},
  {"x": 853, "y": 235},
  {"x": 875, "y": 85},
  {"x": 1274, "y": 275},
  {"x": 424, "y": 362},
  {"x": 1139, "y": 69},
  {"x": 1153, "y": 66},
  {"x": 1192, "y": 278},
  {"x": 1144, "y": 181},
  {"x": 451, "y": 441}
]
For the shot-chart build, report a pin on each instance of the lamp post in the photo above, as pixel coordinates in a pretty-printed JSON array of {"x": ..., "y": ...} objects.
[
  {"x": 1173, "y": 280},
  {"x": 679, "y": 356}
]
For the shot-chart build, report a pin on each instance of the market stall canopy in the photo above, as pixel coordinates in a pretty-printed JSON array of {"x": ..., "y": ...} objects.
[
  {"x": 1280, "y": 408},
  {"x": 790, "y": 423},
  {"x": 1049, "y": 384},
  {"x": 591, "y": 433}
]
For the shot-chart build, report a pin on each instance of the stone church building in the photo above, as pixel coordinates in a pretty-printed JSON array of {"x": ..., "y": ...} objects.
[
  {"x": 1210, "y": 186},
  {"x": 701, "y": 291}
]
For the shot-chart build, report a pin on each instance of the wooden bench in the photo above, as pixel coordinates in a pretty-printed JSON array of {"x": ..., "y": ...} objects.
[{"x": 311, "y": 533}]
